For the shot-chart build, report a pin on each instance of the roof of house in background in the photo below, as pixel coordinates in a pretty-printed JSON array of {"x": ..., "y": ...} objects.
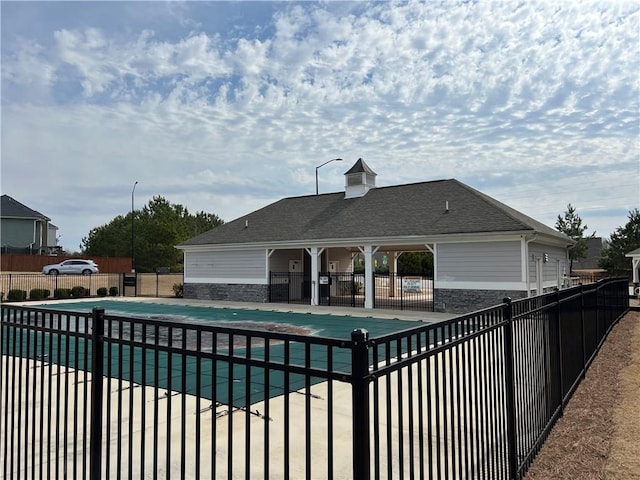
[
  {"x": 594, "y": 249},
  {"x": 11, "y": 208},
  {"x": 435, "y": 208}
]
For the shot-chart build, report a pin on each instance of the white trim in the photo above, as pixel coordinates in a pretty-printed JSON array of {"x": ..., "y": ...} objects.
[
  {"x": 635, "y": 262},
  {"x": 217, "y": 280},
  {"x": 398, "y": 241},
  {"x": 452, "y": 285}
]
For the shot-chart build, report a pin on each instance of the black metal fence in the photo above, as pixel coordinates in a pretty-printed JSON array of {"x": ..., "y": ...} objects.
[
  {"x": 347, "y": 289},
  {"x": 403, "y": 292},
  {"x": 136, "y": 284},
  {"x": 99, "y": 396}
]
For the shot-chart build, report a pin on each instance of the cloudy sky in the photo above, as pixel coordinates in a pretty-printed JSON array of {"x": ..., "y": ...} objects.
[{"x": 229, "y": 106}]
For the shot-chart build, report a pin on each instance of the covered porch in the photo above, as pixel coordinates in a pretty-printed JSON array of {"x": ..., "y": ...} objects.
[{"x": 348, "y": 276}]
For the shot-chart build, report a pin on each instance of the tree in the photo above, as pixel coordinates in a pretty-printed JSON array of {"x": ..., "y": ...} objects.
[
  {"x": 622, "y": 241},
  {"x": 416, "y": 263},
  {"x": 159, "y": 226},
  {"x": 571, "y": 225}
]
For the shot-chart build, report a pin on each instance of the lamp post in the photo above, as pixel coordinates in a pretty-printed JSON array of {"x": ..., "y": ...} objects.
[
  {"x": 133, "y": 251},
  {"x": 328, "y": 161}
]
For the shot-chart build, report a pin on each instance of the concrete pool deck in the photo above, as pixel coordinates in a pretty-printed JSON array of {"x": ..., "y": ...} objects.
[{"x": 408, "y": 315}]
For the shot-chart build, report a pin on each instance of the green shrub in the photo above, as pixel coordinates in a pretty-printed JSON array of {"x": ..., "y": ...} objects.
[
  {"x": 79, "y": 291},
  {"x": 102, "y": 292},
  {"x": 113, "y": 291},
  {"x": 60, "y": 293},
  {"x": 17, "y": 295},
  {"x": 178, "y": 290},
  {"x": 39, "y": 293}
]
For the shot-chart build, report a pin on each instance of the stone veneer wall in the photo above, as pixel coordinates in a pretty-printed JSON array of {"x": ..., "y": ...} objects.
[
  {"x": 227, "y": 291},
  {"x": 465, "y": 301}
]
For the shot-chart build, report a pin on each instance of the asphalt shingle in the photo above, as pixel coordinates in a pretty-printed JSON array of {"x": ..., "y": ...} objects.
[{"x": 417, "y": 209}]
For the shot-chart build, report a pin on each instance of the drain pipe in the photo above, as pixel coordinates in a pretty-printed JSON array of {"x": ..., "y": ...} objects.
[{"x": 525, "y": 262}]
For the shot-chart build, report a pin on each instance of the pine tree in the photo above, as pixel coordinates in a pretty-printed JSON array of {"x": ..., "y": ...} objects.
[{"x": 571, "y": 225}]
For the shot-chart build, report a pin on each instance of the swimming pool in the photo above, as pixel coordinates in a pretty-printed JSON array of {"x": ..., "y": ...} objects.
[
  {"x": 270, "y": 352},
  {"x": 322, "y": 325}
]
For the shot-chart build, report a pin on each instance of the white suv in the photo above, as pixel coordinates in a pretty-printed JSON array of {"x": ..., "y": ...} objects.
[{"x": 77, "y": 267}]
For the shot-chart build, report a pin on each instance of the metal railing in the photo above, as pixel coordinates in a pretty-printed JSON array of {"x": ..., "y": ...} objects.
[
  {"x": 144, "y": 284},
  {"x": 403, "y": 292},
  {"x": 471, "y": 397},
  {"x": 347, "y": 289}
]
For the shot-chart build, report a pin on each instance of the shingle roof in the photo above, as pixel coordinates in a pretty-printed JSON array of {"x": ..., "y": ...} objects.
[
  {"x": 416, "y": 209},
  {"x": 11, "y": 208}
]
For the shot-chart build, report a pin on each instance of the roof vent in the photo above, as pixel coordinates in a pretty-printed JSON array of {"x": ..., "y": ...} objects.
[{"x": 359, "y": 179}]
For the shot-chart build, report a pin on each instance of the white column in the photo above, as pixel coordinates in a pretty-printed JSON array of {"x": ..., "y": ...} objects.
[
  {"x": 369, "y": 287},
  {"x": 636, "y": 264},
  {"x": 314, "y": 253},
  {"x": 393, "y": 268}
]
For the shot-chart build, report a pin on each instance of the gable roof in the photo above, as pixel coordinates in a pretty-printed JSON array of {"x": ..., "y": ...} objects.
[
  {"x": 11, "y": 208},
  {"x": 412, "y": 210}
]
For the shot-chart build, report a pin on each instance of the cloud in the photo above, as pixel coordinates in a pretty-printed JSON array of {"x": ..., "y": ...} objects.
[{"x": 232, "y": 109}]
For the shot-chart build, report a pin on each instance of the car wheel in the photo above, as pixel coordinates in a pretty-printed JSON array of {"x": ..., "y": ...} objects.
[
  {"x": 86, "y": 272},
  {"x": 53, "y": 272}
]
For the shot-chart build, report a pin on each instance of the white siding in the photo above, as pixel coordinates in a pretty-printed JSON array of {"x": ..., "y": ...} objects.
[
  {"x": 226, "y": 267},
  {"x": 550, "y": 267},
  {"x": 490, "y": 262}
]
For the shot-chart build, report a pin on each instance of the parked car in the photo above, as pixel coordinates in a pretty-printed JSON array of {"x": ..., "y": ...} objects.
[{"x": 71, "y": 267}]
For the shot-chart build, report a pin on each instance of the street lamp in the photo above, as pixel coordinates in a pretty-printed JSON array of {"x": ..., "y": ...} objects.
[
  {"x": 133, "y": 251},
  {"x": 328, "y": 161}
]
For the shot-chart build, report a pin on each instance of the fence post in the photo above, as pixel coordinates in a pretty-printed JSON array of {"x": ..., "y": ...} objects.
[
  {"x": 353, "y": 289},
  {"x": 558, "y": 319},
  {"x": 510, "y": 388},
  {"x": 583, "y": 333},
  {"x": 360, "y": 403},
  {"x": 97, "y": 373}
]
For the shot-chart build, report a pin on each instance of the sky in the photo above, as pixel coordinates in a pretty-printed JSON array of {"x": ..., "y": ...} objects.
[{"x": 226, "y": 107}]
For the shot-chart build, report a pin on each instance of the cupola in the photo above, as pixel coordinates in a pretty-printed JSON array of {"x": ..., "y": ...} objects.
[{"x": 358, "y": 180}]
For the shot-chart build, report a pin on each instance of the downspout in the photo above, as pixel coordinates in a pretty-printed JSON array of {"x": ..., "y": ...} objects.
[{"x": 525, "y": 262}]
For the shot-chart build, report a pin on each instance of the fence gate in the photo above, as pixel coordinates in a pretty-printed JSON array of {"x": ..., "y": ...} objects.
[
  {"x": 403, "y": 292},
  {"x": 341, "y": 289}
]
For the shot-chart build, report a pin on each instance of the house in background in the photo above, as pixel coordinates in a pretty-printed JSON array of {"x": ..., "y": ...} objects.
[
  {"x": 24, "y": 230},
  {"x": 483, "y": 250},
  {"x": 588, "y": 267}
]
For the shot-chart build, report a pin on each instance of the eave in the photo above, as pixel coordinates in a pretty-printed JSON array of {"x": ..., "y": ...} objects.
[{"x": 388, "y": 243}]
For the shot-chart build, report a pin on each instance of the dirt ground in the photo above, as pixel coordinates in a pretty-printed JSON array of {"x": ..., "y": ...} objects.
[{"x": 598, "y": 436}]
